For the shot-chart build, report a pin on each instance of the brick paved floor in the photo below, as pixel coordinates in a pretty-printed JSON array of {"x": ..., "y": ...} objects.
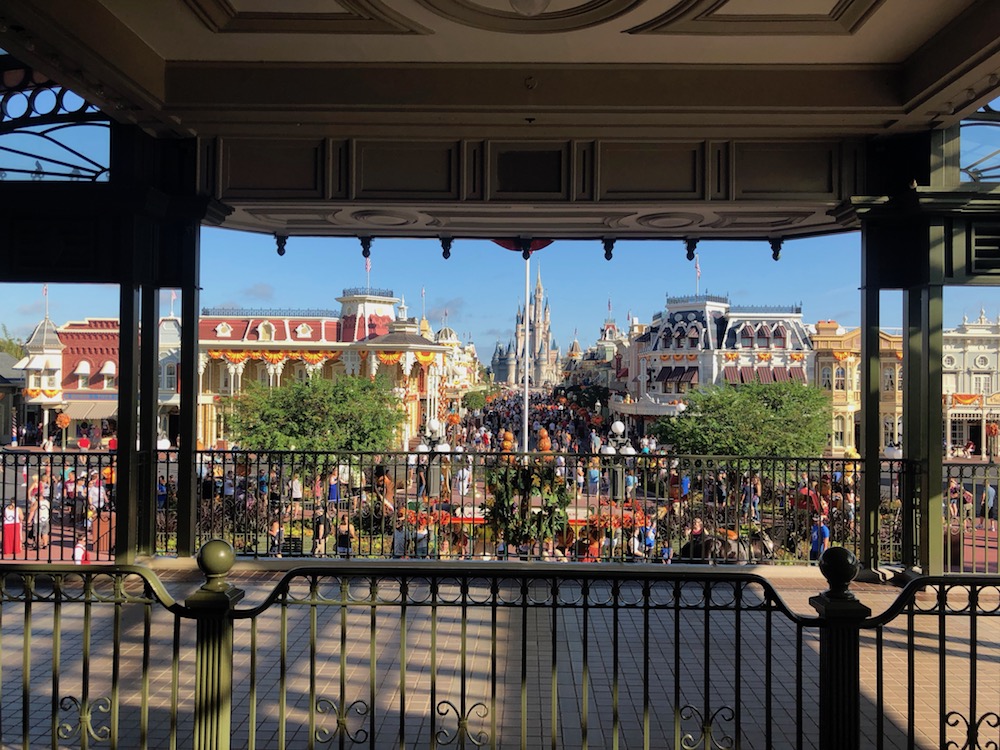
[{"x": 571, "y": 664}]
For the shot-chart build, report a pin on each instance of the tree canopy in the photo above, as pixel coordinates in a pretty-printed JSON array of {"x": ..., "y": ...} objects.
[
  {"x": 755, "y": 419},
  {"x": 9, "y": 344},
  {"x": 347, "y": 414},
  {"x": 474, "y": 400}
]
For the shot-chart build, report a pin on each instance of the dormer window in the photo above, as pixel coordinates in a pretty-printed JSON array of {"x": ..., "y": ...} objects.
[
  {"x": 82, "y": 373},
  {"x": 746, "y": 337},
  {"x": 780, "y": 338},
  {"x": 763, "y": 338},
  {"x": 223, "y": 330},
  {"x": 694, "y": 338},
  {"x": 265, "y": 331},
  {"x": 303, "y": 331},
  {"x": 679, "y": 340}
]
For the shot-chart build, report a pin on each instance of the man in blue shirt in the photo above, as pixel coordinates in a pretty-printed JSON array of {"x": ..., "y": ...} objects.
[
  {"x": 988, "y": 507},
  {"x": 820, "y": 538}
]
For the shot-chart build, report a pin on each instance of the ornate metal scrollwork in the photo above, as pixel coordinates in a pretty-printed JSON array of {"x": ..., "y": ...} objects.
[
  {"x": 707, "y": 737},
  {"x": 325, "y": 736},
  {"x": 972, "y": 730},
  {"x": 462, "y": 733},
  {"x": 85, "y": 714}
]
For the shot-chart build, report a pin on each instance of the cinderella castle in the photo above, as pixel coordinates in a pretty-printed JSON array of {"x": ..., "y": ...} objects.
[{"x": 508, "y": 362}]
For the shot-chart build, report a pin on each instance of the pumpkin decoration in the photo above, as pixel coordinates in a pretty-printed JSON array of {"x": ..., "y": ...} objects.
[
  {"x": 454, "y": 419},
  {"x": 62, "y": 421},
  {"x": 544, "y": 443},
  {"x": 543, "y": 433},
  {"x": 507, "y": 446}
]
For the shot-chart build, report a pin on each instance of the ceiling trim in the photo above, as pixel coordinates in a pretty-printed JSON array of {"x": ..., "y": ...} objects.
[
  {"x": 704, "y": 17},
  {"x": 358, "y": 17},
  {"x": 593, "y": 13}
]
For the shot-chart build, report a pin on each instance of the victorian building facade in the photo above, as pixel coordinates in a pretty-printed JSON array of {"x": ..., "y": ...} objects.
[
  {"x": 534, "y": 326},
  {"x": 71, "y": 370}
]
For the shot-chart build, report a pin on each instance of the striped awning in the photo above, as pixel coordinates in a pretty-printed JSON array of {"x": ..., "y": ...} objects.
[
  {"x": 675, "y": 376},
  {"x": 664, "y": 374},
  {"x": 731, "y": 374},
  {"x": 798, "y": 374},
  {"x": 746, "y": 374},
  {"x": 690, "y": 375},
  {"x": 781, "y": 375},
  {"x": 764, "y": 374}
]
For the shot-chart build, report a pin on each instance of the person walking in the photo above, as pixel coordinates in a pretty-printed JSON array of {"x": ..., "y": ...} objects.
[
  {"x": 321, "y": 529},
  {"x": 345, "y": 536}
]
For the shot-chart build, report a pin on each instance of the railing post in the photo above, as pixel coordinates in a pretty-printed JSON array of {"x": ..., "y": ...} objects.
[
  {"x": 839, "y": 652},
  {"x": 212, "y": 604}
]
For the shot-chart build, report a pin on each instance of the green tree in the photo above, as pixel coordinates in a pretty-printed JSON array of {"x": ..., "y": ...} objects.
[
  {"x": 347, "y": 414},
  {"x": 10, "y": 344},
  {"x": 756, "y": 419},
  {"x": 474, "y": 400}
]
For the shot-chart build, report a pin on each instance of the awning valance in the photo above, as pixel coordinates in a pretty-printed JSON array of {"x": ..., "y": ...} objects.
[
  {"x": 90, "y": 410},
  {"x": 108, "y": 368},
  {"x": 83, "y": 368}
]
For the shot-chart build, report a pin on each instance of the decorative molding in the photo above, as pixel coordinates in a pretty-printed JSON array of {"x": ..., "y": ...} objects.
[
  {"x": 356, "y": 17},
  {"x": 582, "y": 16},
  {"x": 709, "y": 17}
]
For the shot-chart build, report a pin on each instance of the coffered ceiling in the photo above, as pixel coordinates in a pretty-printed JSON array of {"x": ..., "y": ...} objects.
[{"x": 328, "y": 80}]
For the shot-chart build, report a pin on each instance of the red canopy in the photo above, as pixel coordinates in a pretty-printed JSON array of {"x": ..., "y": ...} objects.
[{"x": 516, "y": 245}]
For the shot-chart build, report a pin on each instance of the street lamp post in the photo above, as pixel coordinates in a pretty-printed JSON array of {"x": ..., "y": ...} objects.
[{"x": 434, "y": 440}]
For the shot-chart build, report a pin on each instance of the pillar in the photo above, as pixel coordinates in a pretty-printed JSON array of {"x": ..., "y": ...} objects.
[{"x": 869, "y": 438}]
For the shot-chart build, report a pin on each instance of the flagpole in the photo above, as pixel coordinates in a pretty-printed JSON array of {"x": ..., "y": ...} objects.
[
  {"x": 697, "y": 275},
  {"x": 527, "y": 350}
]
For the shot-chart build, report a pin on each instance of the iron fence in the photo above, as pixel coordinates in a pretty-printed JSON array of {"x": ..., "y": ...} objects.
[
  {"x": 408, "y": 654},
  {"x": 581, "y": 507},
  {"x": 969, "y": 507}
]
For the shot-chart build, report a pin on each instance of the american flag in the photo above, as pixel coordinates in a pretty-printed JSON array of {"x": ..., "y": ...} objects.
[
  {"x": 697, "y": 267},
  {"x": 368, "y": 265}
]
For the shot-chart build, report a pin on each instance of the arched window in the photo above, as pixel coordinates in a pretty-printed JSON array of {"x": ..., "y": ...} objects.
[
  {"x": 889, "y": 378},
  {"x": 826, "y": 378},
  {"x": 265, "y": 331},
  {"x": 746, "y": 337},
  {"x": 170, "y": 377},
  {"x": 763, "y": 338},
  {"x": 888, "y": 431},
  {"x": 839, "y": 378},
  {"x": 838, "y": 432},
  {"x": 679, "y": 339}
]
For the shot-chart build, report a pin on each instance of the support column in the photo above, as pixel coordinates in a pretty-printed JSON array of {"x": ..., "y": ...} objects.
[
  {"x": 869, "y": 443},
  {"x": 127, "y": 461},
  {"x": 149, "y": 389},
  {"x": 189, "y": 240}
]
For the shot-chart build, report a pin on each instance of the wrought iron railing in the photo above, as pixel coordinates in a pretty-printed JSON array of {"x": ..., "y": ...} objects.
[
  {"x": 446, "y": 654},
  {"x": 574, "y": 507},
  {"x": 970, "y": 505}
]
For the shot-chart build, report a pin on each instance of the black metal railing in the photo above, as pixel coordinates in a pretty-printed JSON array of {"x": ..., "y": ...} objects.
[
  {"x": 970, "y": 517},
  {"x": 436, "y": 654},
  {"x": 465, "y": 505}
]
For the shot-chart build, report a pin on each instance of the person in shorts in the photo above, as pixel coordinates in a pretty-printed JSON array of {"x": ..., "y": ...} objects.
[{"x": 988, "y": 507}]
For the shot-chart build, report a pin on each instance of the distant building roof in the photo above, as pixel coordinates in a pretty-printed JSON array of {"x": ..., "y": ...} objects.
[
  {"x": 8, "y": 375},
  {"x": 43, "y": 337}
]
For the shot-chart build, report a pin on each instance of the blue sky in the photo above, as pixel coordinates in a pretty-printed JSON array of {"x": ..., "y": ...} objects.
[{"x": 481, "y": 285}]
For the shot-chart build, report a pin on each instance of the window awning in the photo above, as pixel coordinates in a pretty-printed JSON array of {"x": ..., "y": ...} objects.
[
  {"x": 108, "y": 368},
  {"x": 731, "y": 374},
  {"x": 664, "y": 374},
  {"x": 39, "y": 362},
  {"x": 91, "y": 410},
  {"x": 765, "y": 375},
  {"x": 746, "y": 374},
  {"x": 781, "y": 375},
  {"x": 22, "y": 363},
  {"x": 690, "y": 375},
  {"x": 83, "y": 368},
  {"x": 675, "y": 376},
  {"x": 798, "y": 374}
]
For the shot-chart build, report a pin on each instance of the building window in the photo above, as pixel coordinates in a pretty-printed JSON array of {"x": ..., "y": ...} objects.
[
  {"x": 303, "y": 330},
  {"x": 50, "y": 381},
  {"x": 949, "y": 361},
  {"x": 763, "y": 338},
  {"x": 888, "y": 431},
  {"x": 899, "y": 431},
  {"x": 889, "y": 378},
  {"x": 225, "y": 383},
  {"x": 839, "y": 378},
  {"x": 34, "y": 380},
  {"x": 982, "y": 383},
  {"x": 170, "y": 383},
  {"x": 694, "y": 339},
  {"x": 223, "y": 330},
  {"x": 779, "y": 338},
  {"x": 82, "y": 381},
  {"x": 982, "y": 361},
  {"x": 109, "y": 382},
  {"x": 838, "y": 432},
  {"x": 263, "y": 376},
  {"x": 746, "y": 338},
  {"x": 265, "y": 332},
  {"x": 679, "y": 340},
  {"x": 826, "y": 378}
]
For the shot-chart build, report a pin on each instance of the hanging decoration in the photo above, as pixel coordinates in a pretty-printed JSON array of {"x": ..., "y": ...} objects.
[
  {"x": 236, "y": 357},
  {"x": 389, "y": 358},
  {"x": 273, "y": 357},
  {"x": 967, "y": 399},
  {"x": 314, "y": 358},
  {"x": 425, "y": 358}
]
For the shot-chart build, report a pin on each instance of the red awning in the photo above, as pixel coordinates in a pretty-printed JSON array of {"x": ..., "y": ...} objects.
[
  {"x": 663, "y": 374},
  {"x": 746, "y": 374},
  {"x": 690, "y": 375},
  {"x": 781, "y": 375},
  {"x": 764, "y": 374},
  {"x": 798, "y": 374},
  {"x": 732, "y": 374}
]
